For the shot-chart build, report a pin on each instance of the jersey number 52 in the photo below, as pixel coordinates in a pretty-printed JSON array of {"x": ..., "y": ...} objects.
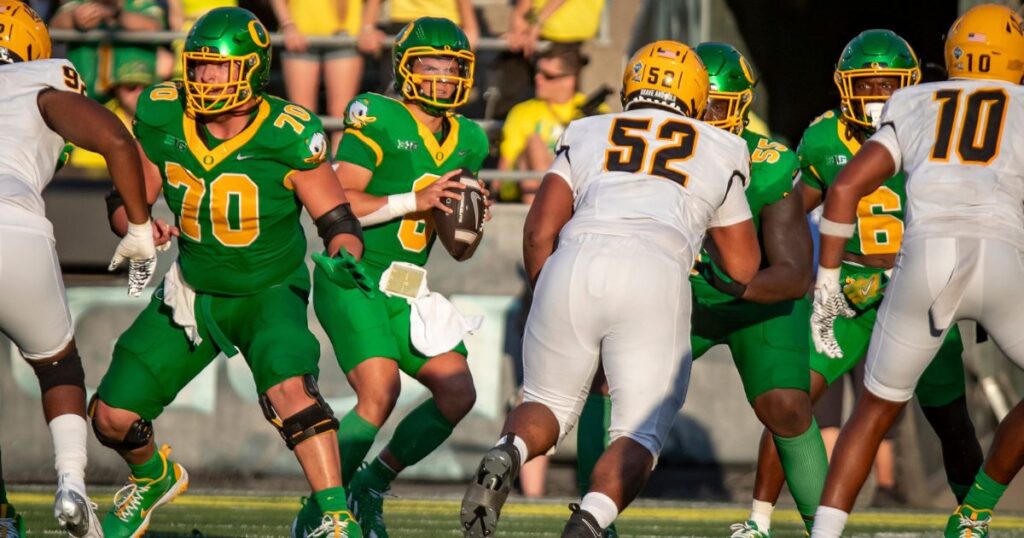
[{"x": 629, "y": 151}]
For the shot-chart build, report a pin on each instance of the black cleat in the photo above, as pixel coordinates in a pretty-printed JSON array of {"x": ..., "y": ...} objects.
[
  {"x": 581, "y": 524},
  {"x": 481, "y": 505}
]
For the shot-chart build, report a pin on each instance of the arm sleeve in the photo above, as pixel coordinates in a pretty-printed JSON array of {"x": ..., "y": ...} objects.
[
  {"x": 886, "y": 136},
  {"x": 359, "y": 146},
  {"x": 734, "y": 207},
  {"x": 562, "y": 166}
]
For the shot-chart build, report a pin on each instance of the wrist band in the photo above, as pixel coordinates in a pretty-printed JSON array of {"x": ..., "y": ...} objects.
[
  {"x": 837, "y": 229},
  {"x": 398, "y": 205}
]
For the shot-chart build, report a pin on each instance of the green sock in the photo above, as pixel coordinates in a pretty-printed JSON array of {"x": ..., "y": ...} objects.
[
  {"x": 960, "y": 491},
  {"x": 379, "y": 475},
  {"x": 152, "y": 468},
  {"x": 805, "y": 465},
  {"x": 331, "y": 499},
  {"x": 985, "y": 492},
  {"x": 591, "y": 437},
  {"x": 355, "y": 437},
  {"x": 419, "y": 433}
]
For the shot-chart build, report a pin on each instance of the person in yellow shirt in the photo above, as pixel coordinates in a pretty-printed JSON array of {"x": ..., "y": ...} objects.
[
  {"x": 559, "y": 21},
  {"x": 532, "y": 127},
  {"x": 181, "y": 15}
]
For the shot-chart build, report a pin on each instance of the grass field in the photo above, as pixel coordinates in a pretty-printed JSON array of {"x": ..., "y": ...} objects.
[{"x": 199, "y": 514}]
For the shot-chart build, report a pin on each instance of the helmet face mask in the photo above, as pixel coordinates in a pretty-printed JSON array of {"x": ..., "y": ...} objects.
[
  {"x": 870, "y": 55},
  {"x": 732, "y": 86},
  {"x": 420, "y": 78},
  {"x": 231, "y": 42},
  {"x": 26, "y": 37},
  {"x": 666, "y": 74}
]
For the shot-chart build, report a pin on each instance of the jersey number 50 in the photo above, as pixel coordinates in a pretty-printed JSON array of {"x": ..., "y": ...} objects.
[{"x": 628, "y": 151}]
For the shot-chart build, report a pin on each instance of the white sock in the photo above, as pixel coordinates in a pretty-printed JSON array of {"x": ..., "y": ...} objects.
[
  {"x": 601, "y": 507},
  {"x": 761, "y": 513},
  {"x": 829, "y": 522},
  {"x": 519, "y": 444},
  {"x": 69, "y": 434}
]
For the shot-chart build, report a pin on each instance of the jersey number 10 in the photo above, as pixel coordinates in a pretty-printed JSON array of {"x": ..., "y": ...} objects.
[
  {"x": 628, "y": 151},
  {"x": 979, "y": 130}
]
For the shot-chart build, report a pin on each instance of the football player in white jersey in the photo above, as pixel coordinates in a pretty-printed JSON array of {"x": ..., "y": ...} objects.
[
  {"x": 42, "y": 106},
  {"x": 961, "y": 144},
  {"x": 628, "y": 201}
]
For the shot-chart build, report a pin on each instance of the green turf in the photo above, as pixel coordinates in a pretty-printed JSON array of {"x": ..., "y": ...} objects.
[{"x": 198, "y": 514}]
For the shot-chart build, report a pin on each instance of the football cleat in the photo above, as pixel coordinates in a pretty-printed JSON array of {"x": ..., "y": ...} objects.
[
  {"x": 967, "y": 522},
  {"x": 581, "y": 524},
  {"x": 337, "y": 525},
  {"x": 308, "y": 519},
  {"x": 75, "y": 512},
  {"x": 747, "y": 529},
  {"x": 367, "y": 503},
  {"x": 134, "y": 503},
  {"x": 481, "y": 505},
  {"x": 11, "y": 524}
]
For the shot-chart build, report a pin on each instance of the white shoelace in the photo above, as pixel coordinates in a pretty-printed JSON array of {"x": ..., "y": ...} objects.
[
  {"x": 744, "y": 530},
  {"x": 127, "y": 501},
  {"x": 968, "y": 525},
  {"x": 326, "y": 527},
  {"x": 9, "y": 527}
]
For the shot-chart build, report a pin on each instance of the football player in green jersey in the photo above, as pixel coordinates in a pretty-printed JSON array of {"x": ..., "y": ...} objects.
[
  {"x": 396, "y": 161},
  {"x": 235, "y": 166},
  {"x": 872, "y": 66}
]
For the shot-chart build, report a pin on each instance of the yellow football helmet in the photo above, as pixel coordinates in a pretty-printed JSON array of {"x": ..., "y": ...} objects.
[
  {"x": 987, "y": 42},
  {"x": 23, "y": 34},
  {"x": 667, "y": 74}
]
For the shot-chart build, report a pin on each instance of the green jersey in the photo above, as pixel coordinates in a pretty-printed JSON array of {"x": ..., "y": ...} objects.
[
  {"x": 382, "y": 136},
  {"x": 233, "y": 200},
  {"x": 827, "y": 145},
  {"x": 772, "y": 167}
]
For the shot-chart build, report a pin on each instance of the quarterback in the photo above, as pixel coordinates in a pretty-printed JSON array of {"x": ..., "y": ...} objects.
[
  {"x": 43, "y": 106},
  {"x": 235, "y": 166}
]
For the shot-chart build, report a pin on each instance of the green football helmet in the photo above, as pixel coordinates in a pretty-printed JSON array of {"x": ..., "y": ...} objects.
[
  {"x": 235, "y": 38},
  {"x": 432, "y": 37},
  {"x": 873, "y": 53},
  {"x": 732, "y": 84}
]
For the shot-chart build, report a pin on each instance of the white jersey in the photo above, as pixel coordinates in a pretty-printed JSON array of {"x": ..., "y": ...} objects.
[
  {"x": 29, "y": 149},
  {"x": 961, "y": 143},
  {"x": 652, "y": 173}
]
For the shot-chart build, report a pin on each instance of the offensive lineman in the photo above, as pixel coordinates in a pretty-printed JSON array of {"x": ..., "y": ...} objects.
[
  {"x": 628, "y": 201},
  {"x": 239, "y": 165},
  {"x": 960, "y": 144},
  {"x": 44, "y": 105}
]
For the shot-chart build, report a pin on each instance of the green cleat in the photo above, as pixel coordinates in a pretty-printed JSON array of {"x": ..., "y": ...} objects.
[
  {"x": 308, "y": 519},
  {"x": 748, "y": 529},
  {"x": 367, "y": 503},
  {"x": 134, "y": 503},
  {"x": 11, "y": 524},
  {"x": 337, "y": 525},
  {"x": 967, "y": 522}
]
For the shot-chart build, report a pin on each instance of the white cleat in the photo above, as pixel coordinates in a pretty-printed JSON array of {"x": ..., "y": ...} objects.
[{"x": 75, "y": 512}]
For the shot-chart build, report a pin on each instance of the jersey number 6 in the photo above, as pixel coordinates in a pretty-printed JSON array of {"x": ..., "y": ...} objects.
[{"x": 628, "y": 151}]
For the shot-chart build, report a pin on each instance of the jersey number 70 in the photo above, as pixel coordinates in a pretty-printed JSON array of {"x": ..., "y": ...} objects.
[{"x": 628, "y": 151}]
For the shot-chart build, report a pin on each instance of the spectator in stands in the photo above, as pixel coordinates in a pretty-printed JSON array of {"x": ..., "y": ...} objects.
[
  {"x": 375, "y": 28},
  {"x": 130, "y": 78},
  {"x": 532, "y": 127},
  {"x": 95, "y": 61},
  {"x": 558, "y": 21},
  {"x": 341, "y": 68}
]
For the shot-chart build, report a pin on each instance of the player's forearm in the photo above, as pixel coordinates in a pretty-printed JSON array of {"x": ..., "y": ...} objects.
[
  {"x": 126, "y": 173},
  {"x": 778, "y": 283},
  {"x": 537, "y": 248}
]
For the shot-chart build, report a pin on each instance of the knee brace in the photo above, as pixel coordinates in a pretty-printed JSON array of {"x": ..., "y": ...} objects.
[
  {"x": 313, "y": 420},
  {"x": 66, "y": 371},
  {"x": 139, "y": 433}
]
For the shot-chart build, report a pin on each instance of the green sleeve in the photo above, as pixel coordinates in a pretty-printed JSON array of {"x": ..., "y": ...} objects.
[
  {"x": 363, "y": 131},
  {"x": 158, "y": 106},
  {"x": 809, "y": 164},
  {"x": 783, "y": 170}
]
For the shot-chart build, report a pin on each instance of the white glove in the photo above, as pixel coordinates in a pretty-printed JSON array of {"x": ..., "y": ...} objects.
[
  {"x": 829, "y": 303},
  {"x": 136, "y": 247}
]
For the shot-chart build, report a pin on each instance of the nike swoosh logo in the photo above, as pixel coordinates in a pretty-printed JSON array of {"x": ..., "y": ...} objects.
[{"x": 242, "y": 157}]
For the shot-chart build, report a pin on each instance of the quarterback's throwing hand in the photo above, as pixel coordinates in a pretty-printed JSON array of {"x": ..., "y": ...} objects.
[
  {"x": 137, "y": 248},
  {"x": 345, "y": 271},
  {"x": 829, "y": 303}
]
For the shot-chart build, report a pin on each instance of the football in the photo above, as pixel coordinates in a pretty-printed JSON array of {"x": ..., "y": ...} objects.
[{"x": 461, "y": 230}]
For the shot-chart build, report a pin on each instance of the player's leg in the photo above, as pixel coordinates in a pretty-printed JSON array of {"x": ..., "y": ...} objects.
[
  {"x": 343, "y": 71},
  {"x": 301, "y": 72},
  {"x": 561, "y": 343},
  {"x": 592, "y": 431},
  {"x": 153, "y": 360},
  {"x": 34, "y": 314}
]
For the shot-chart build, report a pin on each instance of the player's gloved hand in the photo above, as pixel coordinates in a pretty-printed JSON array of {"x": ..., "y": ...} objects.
[
  {"x": 346, "y": 272},
  {"x": 718, "y": 279},
  {"x": 829, "y": 303},
  {"x": 136, "y": 247}
]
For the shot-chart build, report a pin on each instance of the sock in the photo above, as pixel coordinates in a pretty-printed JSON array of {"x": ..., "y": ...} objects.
[
  {"x": 985, "y": 492},
  {"x": 960, "y": 491},
  {"x": 601, "y": 507},
  {"x": 829, "y": 522},
  {"x": 355, "y": 437},
  {"x": 419, "y": 433},
  {"x": 805, "y": 465},
  {"x": 761, "y": 513},
  {"x": 519, "y": 445},
  {"x": 591, "y": 437},
  {"x": 69, "y": 434},
  {"x": 331, "y": 499},
  {"x": 152, "y": 468},
  {"x": 379, "y": 474}
]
